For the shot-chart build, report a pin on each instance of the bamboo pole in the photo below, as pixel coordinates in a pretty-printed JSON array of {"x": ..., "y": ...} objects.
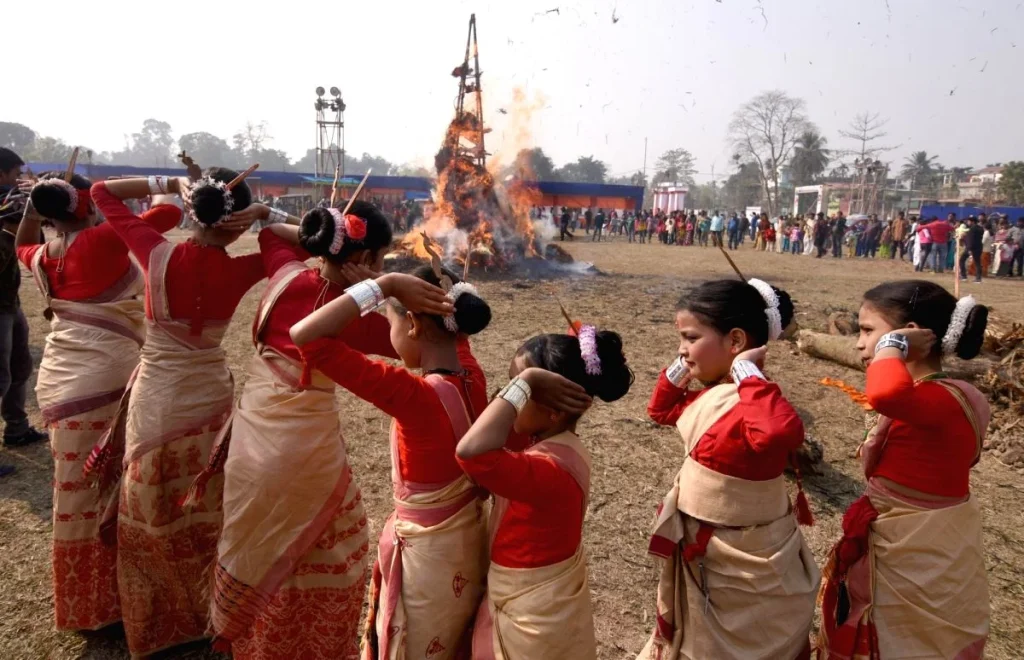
[
  {"x": 731, "y": 262},
  {"x": 359, "y": 189},
  {"x": 71, "y": 165},
  {"x": 241, "y": 177}
]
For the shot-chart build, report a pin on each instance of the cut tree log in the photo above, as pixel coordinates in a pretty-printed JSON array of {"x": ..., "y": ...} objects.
[{"x": 843, "y": 351}]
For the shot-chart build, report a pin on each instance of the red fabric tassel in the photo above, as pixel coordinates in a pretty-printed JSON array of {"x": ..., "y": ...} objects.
[
  {"x": 803, "y": 509},
  {"x": 306, "y": 379},
  {"x": 699, "y": 547}
]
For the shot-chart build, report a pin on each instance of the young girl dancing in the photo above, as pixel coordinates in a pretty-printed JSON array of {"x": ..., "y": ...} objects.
[
  {"x": 538, "y": 601},
  {"x": 431, "y": 557},
  {"x": 178, "y": 400},
  {"x": 91, "y": 290},
  {"x": 738, "y": 580},
  {"x": 907, "y": 579},
  {"x": 293, "y": 552}
]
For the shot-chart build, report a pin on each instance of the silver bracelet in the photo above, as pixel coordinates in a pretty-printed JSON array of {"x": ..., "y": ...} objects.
[
  {"x": 517, "y": 392},
  {"x": 894, "y": 340},
  {"x": 367, "y": 295},
  {"x": 678, "y": 373},
  {"x": 157, "y": 185},
  {"x": 277, "y": 216},
  {"x": 742, "y": 369}
]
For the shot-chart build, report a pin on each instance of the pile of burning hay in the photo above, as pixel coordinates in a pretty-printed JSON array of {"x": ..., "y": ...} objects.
[
  {"x": 481, "y": 225},
  {"x": 1004, "y": 385}
]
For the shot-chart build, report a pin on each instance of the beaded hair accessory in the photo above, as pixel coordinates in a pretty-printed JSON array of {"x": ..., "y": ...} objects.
[
  {"x": 771, "y": 301},
  {"x": 210, "y": 182},
  {"x": 453, "y": 294},
  {"x": 587, "y": 335},
  {"x": 57, "y": 182},
  {"x": 957, "y": 324}
]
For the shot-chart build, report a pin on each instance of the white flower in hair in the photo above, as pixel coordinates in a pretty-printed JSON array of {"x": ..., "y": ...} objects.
[
  {"x": 771, "y": 301},
  {"x": 957, "y": 324},
  {"x": 453, "y": 294},
  {"x": 229, "y": 200},
  {"x": 57, "y": 182}
]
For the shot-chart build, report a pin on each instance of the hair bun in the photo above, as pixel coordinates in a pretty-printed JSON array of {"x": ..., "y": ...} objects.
[
  {"x": 472, "y": 313},
  {"x": 786, "y": 308},
  {"x": 210, "y": 202},
  {"x": 316, "y": 232},
  {"x": 51, "y": 201},
  {"x": 616, "y": 377},
  {"x": 973, "y": 337}
]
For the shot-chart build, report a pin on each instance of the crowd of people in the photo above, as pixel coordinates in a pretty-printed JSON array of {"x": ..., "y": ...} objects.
[
  {"x": 186, "y": 514},
  {"x": 989, "y": 245}
]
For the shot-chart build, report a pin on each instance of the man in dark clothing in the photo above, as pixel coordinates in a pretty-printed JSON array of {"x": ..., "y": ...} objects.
[
  {"x": 821, "y": 230},
  {"x": 972, "y": 247},
  {"x": 15, "y": 359},
  {"x": 838, "y": 231},
  {"x": 598, "y": 225},
  {"x": 872, "y": 237},
  {"x": 566, "y": 218},
  {"x": 588, "y": 220}
]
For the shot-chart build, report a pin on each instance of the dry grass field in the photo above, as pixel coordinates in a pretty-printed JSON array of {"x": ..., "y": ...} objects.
[{"x": 634, "y": 461}]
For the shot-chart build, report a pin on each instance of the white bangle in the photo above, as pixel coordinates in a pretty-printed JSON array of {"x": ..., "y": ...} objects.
[
  {"x": 277, "y": 216},
  {"x": 894, "y": 340},
  {"x": 157, "y": 185},
  {"x": 678, "y": 373},
  {"x": 743, "y": 369},
  {"x": 367, "y": 295},
  {"x": 517, "y": 393}
]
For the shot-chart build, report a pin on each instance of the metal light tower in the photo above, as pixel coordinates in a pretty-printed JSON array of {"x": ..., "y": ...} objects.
[
  {"x": 330, "y": 133},
  {"x": 469, "y": 83}
]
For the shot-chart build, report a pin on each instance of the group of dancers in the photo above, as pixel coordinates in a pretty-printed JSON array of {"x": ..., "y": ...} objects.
[{"x": 188, "y": 515}]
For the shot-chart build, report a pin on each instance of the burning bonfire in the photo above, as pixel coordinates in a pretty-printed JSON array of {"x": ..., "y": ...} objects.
[{"x": 476, "y": 220}]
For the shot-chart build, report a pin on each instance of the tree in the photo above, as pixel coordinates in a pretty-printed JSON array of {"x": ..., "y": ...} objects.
[
  {"x": 208, "y": 150},
  {"x": 866, "y": 129},
  {"x": 271, "y": 160},
  {"x": 918, "y": 169},
  {"x": 48, "y": 150},
  {"x": 17, "y": 137},
  {"x": 635, "y": 179},
  {"x": 675, "y": 165},
  {"x": 250, "y": 138},
  {"x": 743, "y": 188},
  {"x": 810, "y": 158},
  {"x": 533, "y": 164},
  {"x": 764, "y": 131},
  {"x": 1011, "y": 185},
  {"x": 586, "y": 169},
  {"x": 410, "y": 169},
  {"x": 151, "y": 146}
]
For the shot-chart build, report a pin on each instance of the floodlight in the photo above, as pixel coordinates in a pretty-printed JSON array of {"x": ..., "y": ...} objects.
[
  {"x": 335, "y": 91},
  {"x": 319, "y": 91}
]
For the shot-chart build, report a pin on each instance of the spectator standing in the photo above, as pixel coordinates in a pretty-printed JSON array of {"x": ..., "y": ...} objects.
[
  {"x": 598, "y": 225},
  {"x": 900, "y": 228},
  {"x": 717, "y": 226},
  {"x": 838, "y": 231},
  {"x": 1016, "y": 236},
  {"x": 566, "y": 219},
  {"x": 15, "y": 359},
  {"x": 972, "y": 243},
  {"x": 734, "y": 231}
]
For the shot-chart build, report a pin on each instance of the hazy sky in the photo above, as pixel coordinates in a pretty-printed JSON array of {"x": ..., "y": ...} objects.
[{"x": 672, "y": 72}]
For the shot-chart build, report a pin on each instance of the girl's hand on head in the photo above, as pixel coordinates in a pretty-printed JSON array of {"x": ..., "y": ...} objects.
[
  {"x": 416, "y": 295},
  {"x": 357, "y": 273},
  {"x": 556, "y": 392},
  {"x": 755, "y": 355},
  {"x": 921, "y": 341},
  {"x": 242, "y": 220}
]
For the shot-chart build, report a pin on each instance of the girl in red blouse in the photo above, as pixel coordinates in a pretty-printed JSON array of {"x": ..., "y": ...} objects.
[
  {"x": 907, "y": 579},
  {"x": 538, "y": 601},
  {"x": 431, "y": 558},
  {"x": 91, "y": 290},
  {"x": 179, "y": 399},
  {"x": 292, "y": 556},
  {"x": 737, "y": 578}
]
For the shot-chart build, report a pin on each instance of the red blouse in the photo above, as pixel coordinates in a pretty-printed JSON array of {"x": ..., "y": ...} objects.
[
  {"x": 931, "y": 444},
  {"x": 426, "y": 441},
  {"x": 96, "y": 259},
  {"x": 751, "y": 441},
  {"x": 370, "y": 334},
  {"x": 544, "y": 521},
  {"x": 202, "y": 283}
]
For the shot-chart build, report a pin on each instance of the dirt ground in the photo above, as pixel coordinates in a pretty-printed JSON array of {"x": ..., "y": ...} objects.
[{"x": 634, "y": 461}]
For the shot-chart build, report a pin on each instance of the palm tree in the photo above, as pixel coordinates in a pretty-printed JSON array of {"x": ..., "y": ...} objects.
[
  {"x": 918, "y": 167},
  {"x": 810, "y": 157}
]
